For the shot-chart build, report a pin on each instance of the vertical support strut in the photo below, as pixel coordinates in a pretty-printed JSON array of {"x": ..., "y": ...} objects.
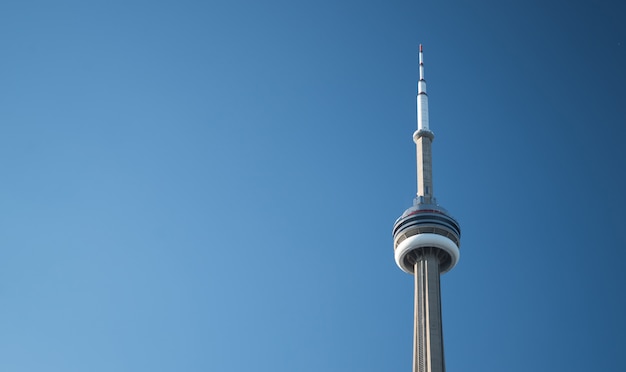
[{"x": 428, "y": 334}]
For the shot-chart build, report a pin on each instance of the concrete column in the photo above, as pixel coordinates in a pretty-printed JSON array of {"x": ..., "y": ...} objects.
[
  {"x": 428, "y": 333},
  {"x": 424, "y": 168}
]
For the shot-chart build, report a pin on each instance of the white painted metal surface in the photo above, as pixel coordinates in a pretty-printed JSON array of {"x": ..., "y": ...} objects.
[
  {"x": 422, "y": 97},
  {"x": 424, "y": 241}
]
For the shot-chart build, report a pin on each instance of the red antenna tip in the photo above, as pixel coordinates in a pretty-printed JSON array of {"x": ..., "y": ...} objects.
[{"x": 420, "y": 47}]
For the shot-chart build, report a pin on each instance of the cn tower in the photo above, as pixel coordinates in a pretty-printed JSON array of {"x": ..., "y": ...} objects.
[{"x": 426, "y": 241}]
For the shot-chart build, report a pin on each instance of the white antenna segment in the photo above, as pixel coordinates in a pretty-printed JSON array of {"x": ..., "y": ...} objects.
[{"x": 422, "y": 97}]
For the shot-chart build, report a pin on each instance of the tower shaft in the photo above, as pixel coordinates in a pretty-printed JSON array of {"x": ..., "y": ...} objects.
[
  {"x": 428, "y": 334},
  {"x": 424, "y": 167}
]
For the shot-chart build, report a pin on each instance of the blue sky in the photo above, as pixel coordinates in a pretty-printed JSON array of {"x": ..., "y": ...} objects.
[{"x": 211, "y": 186}]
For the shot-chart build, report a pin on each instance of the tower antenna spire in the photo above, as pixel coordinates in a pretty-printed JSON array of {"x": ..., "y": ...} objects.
[
  {"x": 421, "y": 59},
  {"x": 423, "y": 138}
]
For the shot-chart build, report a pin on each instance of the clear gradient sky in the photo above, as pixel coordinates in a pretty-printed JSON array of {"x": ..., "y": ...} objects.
[{"x": 211, "y": 185}]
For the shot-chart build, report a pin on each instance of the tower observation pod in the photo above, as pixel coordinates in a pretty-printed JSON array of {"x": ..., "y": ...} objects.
[{"x": 426, "y": 241}]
